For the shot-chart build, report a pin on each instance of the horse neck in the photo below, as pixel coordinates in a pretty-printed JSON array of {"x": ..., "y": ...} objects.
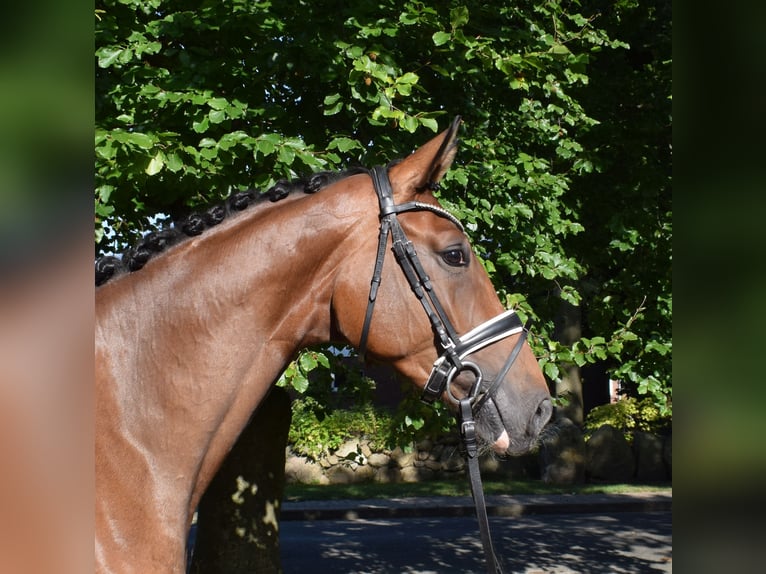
[
  {"x": 201, "y": 332},
  {"x": 261, "y": 280}
]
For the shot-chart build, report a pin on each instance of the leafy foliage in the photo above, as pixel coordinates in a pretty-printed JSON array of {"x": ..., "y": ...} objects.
[
  {"x": 336, "y": 404},
  {"x": 314, "y": 431},
  {"x": 414, "y": 421},
  {"x": 628, "y": 414},
  {"x": 563, "y": 178}
]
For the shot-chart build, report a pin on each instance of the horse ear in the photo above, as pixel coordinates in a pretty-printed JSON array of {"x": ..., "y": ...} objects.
[{"x": 424, "y": 168}]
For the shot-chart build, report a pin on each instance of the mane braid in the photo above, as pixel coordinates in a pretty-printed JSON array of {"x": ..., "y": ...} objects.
[{"x": 135, "y": 257}]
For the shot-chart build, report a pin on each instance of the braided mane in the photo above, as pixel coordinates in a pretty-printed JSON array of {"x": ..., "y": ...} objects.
[{"x": 156, "y": 242}]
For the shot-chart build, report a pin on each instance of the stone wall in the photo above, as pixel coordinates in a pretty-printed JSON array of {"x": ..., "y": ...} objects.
[
  {"x": 607, "y": 456},
  {"x": 564, "y": 457},
  {"x": 356, "y": 461}
]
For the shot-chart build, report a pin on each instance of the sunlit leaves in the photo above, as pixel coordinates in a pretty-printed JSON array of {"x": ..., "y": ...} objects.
[
  {"x": 155, "y": 164},
  {"x": 296, "y": 375},
  {"x": 192, "y": 105},
  {"x": 440, "y": 38}
]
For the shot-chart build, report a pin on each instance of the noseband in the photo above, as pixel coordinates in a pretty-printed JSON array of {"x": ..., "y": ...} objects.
[{"x": 453, "y": 349}]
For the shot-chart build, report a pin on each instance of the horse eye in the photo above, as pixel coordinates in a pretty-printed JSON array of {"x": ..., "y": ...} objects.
[{"x": 455, "y": 257}]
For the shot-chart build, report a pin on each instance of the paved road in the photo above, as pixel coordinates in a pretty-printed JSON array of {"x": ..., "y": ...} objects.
[{"x": 604, "y": 543}]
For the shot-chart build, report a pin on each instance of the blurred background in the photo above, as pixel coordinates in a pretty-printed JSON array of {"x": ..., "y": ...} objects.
[{"x": 46, "y": 292}]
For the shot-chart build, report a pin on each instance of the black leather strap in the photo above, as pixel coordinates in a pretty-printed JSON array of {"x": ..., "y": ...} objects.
[
  {"x": 374, "y": 284},
  {"x": 408, "y": 260},
  {"x": 486, "y": 395},
  {"x": 471, "y": 451},
  {"x": 454, "y": 349}
]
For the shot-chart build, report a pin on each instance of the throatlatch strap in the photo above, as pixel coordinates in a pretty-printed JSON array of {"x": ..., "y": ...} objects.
[{"x": 377, "y": 273}]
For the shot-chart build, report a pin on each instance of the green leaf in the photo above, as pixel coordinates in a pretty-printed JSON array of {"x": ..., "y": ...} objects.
[
  {"x": 307, "y": 361},
  {"x": 458, "y": 16},
  {"x": 201, "y": 126},
  {"x": 149, "y": 90},
  {"x": 106, "y": 150},
  {"x": 286, "y": 155},
  {"x": 104, "y": 210},
  {"x": 441, "y": 38},
  {"x": 551, "y": 370},
  {"x": 143, "y": 141},
  {"x": 416, "y": 423},
  {"x": 343, "y": 144},
  {"x": 209, "y": 153},
  {"x": 266, "y": 144},
  {"x": 156, "y": 164},
  {"x": 216, "y": 116},
  {"x": 299, "y": 382},
  {"x": 104, "y": 192},
  {"x": 125, "y": 56},
  {"x": 323, "y": 360},
  {"x": 108, "y": 56},
  {"x": 430, "y": 123},
  {"x": 335, "y": 103},
  {"x": 218, "y": 103},
  {"x": 409, "y": 123},
  {"x": 174, "y": 162}
]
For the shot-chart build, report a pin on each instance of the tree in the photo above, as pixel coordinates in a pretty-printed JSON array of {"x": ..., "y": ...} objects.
[
  {"x": 197, "y": 99},
  {"x": 625, "y": 203}
]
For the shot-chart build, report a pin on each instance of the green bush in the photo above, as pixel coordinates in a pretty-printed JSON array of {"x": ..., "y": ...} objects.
[
  {"x": 318, "y": 429},
  {"x": 336, "y": 405},
  {"x": 315, "y": 432},
  {"x": 414, "y": 421},
  {"x": 628, "y": 414}
]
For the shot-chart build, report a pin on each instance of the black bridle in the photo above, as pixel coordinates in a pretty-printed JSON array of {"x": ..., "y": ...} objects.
[{"x": 453, "y": 349}]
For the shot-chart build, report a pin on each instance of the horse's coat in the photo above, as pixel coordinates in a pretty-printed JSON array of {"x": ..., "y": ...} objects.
[{"x": 188, "y": 346}]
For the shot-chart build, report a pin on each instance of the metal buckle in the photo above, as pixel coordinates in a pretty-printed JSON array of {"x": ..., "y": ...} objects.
[
  {"x": 437, "y": 380},
  {"x": 473, "y": 392}
]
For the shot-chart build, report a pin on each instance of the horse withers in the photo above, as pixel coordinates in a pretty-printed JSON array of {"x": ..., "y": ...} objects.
[{"x": 187, "y": 347}]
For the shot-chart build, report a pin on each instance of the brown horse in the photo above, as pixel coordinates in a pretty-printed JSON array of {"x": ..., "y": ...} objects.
[{"x": 187, "y": 347}]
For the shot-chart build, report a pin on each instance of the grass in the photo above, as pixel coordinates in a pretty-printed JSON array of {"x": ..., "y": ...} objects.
[{"x": 367, "y": 490}]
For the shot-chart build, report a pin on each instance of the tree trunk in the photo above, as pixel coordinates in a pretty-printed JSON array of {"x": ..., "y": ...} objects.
[
  {"x": 238, "y": 516},
  {"x": 568, "y": 330}
]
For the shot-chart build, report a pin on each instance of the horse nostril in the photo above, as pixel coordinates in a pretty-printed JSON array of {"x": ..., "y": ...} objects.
[{"x": 542, "y": 414}]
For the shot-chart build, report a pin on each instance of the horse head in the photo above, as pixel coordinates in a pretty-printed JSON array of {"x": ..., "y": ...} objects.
[{"x": 458, "y": 341}]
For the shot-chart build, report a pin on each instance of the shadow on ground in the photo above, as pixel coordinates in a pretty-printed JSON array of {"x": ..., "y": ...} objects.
[{"x": 552, "y": 544}]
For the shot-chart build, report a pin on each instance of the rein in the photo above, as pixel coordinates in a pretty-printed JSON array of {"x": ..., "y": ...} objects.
[{"x": 453, "y": 349}]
